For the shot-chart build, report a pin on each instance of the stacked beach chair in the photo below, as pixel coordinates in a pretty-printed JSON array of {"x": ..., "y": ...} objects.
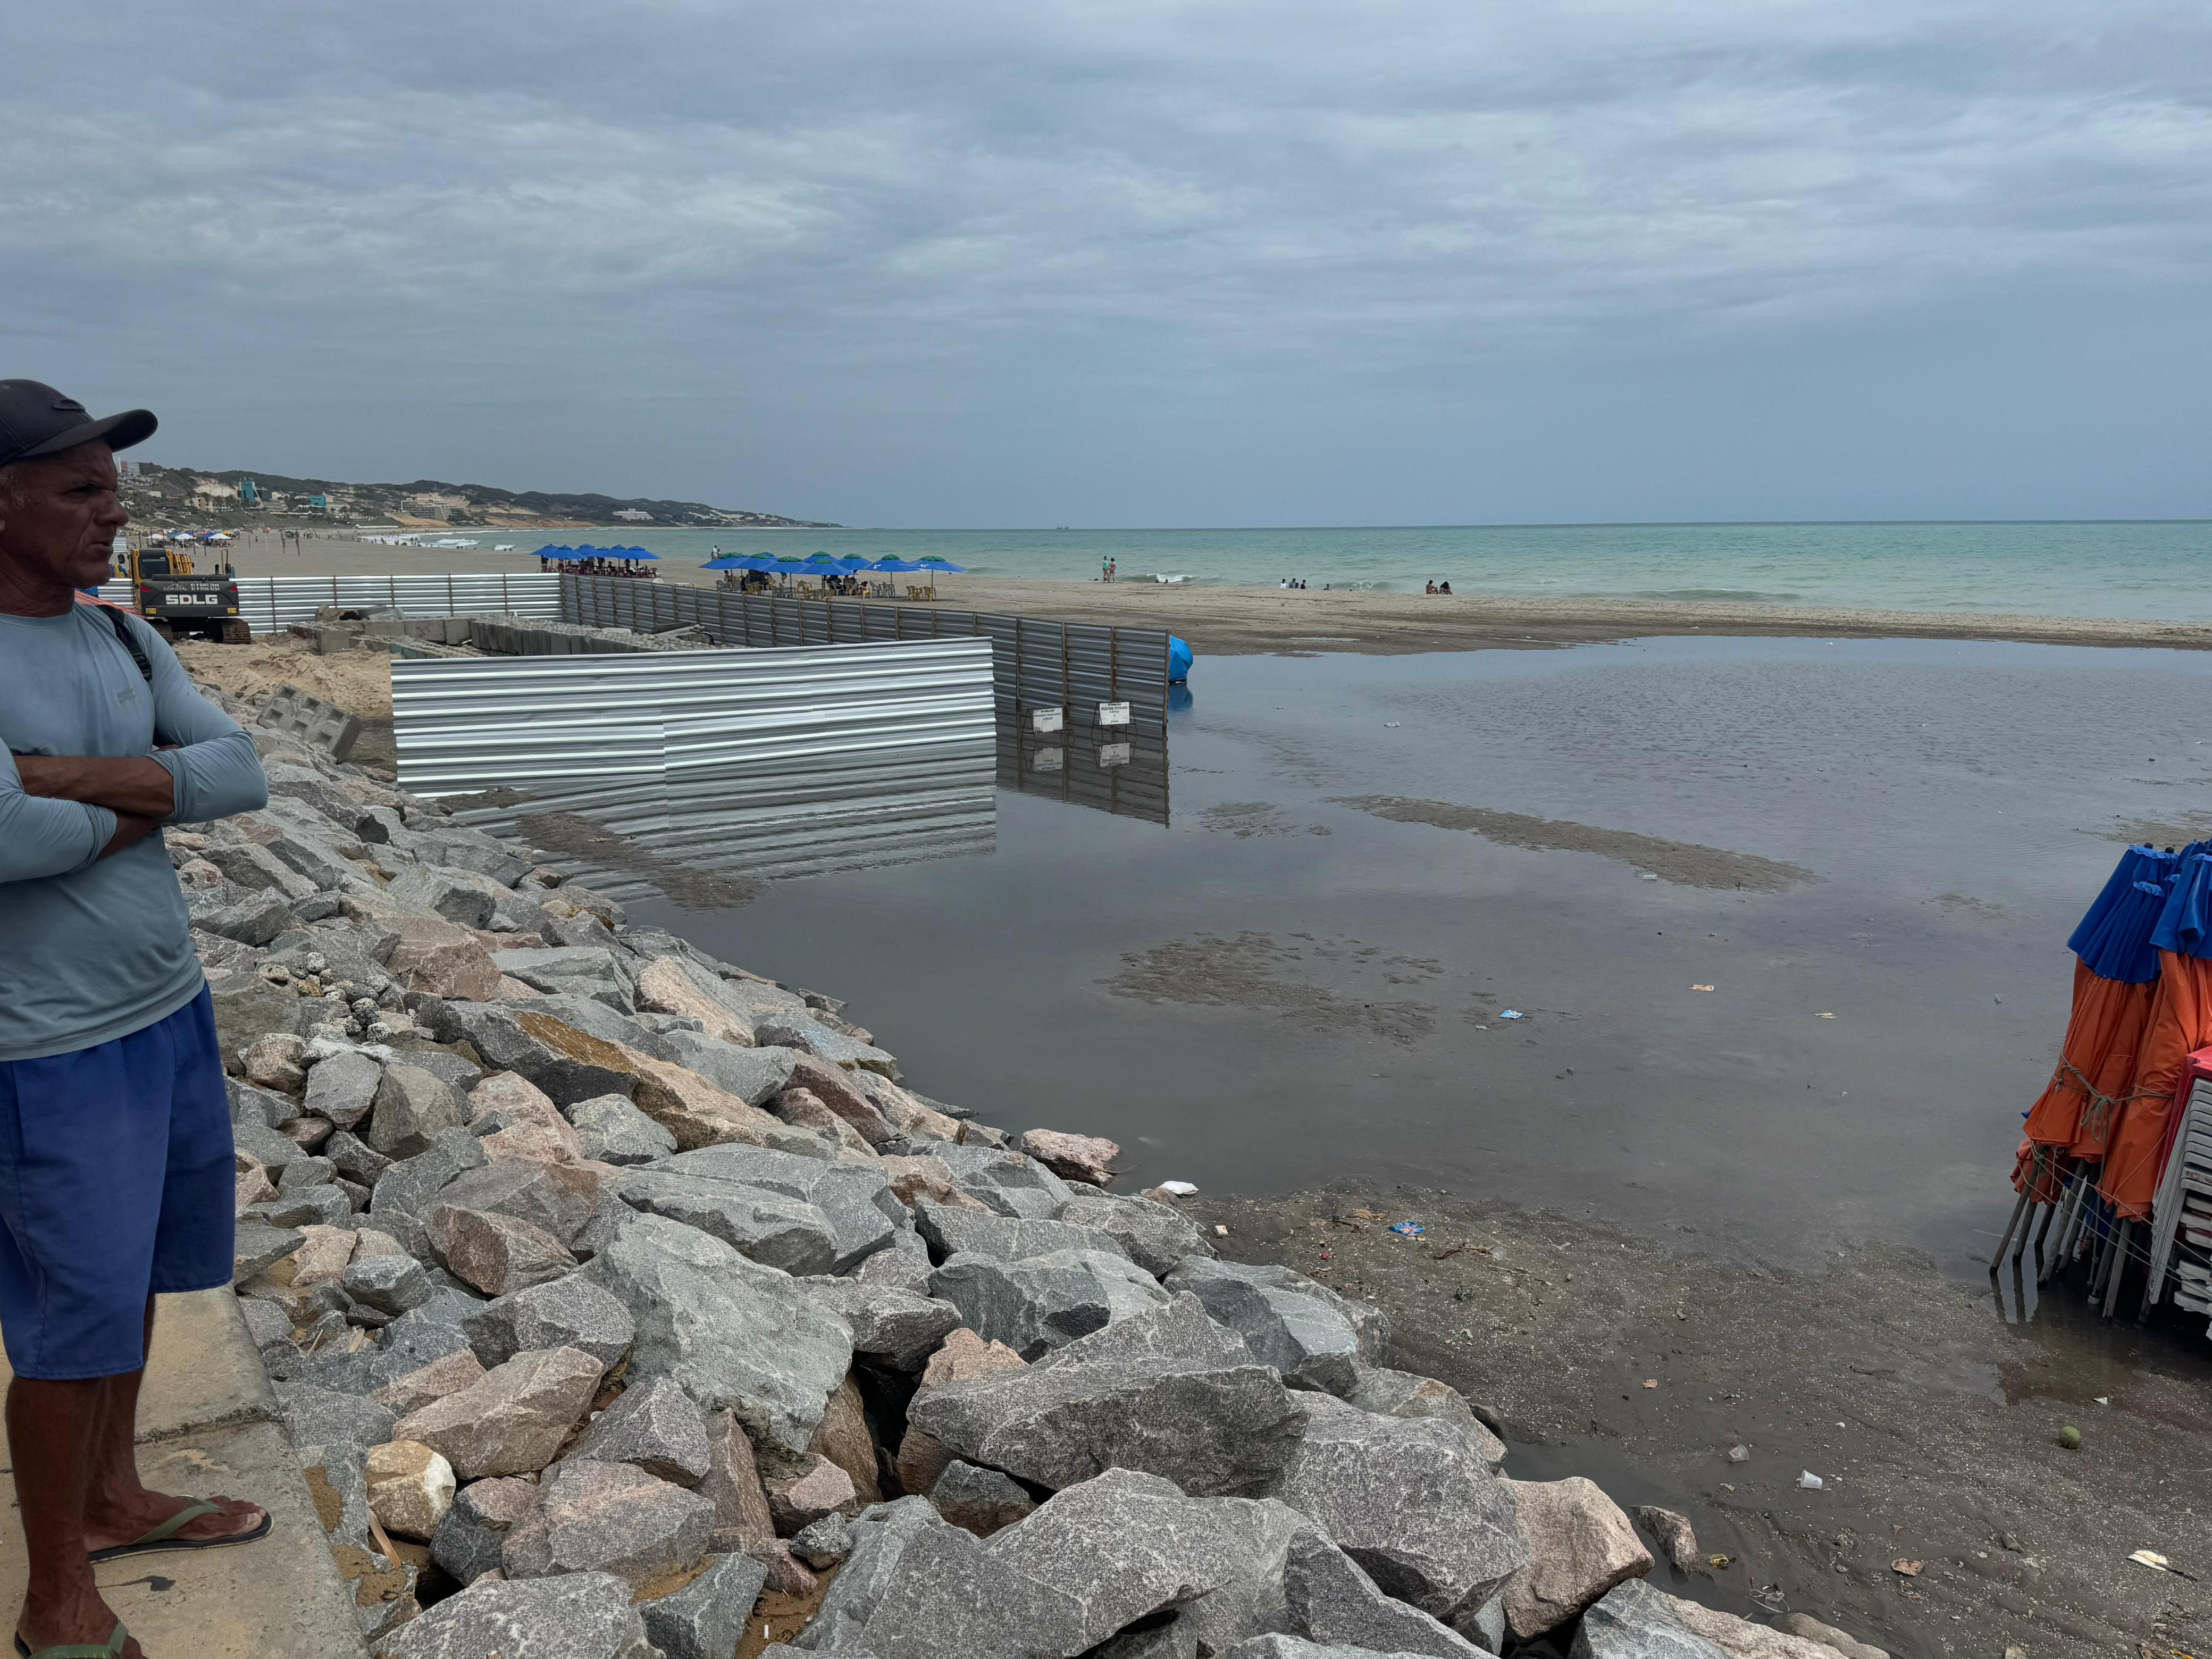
[{"x": 2181, "y": 1215}]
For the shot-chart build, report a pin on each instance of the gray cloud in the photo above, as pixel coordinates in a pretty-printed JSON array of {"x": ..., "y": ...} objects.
[{"x": 1135, "y": 261}]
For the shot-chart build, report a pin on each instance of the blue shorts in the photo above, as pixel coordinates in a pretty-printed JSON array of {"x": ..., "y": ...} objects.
[{"x": 116, "y": 1183}]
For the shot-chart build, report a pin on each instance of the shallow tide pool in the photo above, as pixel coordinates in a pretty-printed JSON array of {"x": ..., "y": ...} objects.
[{"x": 1784, "y": 920}]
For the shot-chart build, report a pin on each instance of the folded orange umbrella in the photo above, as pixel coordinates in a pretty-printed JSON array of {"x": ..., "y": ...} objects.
[
  {"x": 2096, "y": 1066},
  {"x": 2179, "y": 1023}
]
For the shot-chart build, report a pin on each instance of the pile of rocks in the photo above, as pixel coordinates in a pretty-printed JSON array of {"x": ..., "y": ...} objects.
[{"x": 607, "y": 1286}]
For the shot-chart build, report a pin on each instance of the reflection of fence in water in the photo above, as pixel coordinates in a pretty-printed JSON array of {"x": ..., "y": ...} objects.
[{"x": 1122, "y": 769}]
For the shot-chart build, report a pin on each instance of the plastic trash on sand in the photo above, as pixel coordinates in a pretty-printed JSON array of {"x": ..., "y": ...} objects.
[
  {"x": 2158, "y": 1562},
  {"x": 1810, "y": 1481},
  {"x": 1511, "y": 1013},
  {"x": 1407, "y": 1229},
  {"x": 1180, "y": 1189}
]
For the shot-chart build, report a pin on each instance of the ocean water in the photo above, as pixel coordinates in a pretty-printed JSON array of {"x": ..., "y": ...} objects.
[{"x": 2140, "y": 568}]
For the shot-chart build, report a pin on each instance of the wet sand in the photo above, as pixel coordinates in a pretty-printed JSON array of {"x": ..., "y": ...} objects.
[{"x": 1932, "y": 1425}]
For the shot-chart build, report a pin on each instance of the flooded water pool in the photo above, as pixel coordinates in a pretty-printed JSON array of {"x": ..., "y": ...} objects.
[{"x": 1783, "y": 923}]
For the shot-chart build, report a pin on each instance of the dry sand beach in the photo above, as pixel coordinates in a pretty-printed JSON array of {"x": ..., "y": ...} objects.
[{"x": 1238, "y": 620}]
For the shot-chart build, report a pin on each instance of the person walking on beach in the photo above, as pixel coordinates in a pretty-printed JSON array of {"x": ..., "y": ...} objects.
[{"x": 116, "y": 1174}]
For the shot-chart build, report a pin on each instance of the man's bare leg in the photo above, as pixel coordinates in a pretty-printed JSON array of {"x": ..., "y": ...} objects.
[
  {"x": 50, "y": 1434},
  {"x": 118, "y": 1508}
]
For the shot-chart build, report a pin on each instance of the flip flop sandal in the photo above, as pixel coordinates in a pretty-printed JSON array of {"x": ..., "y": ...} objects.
[
  {"x": 79, "y": 1650},
  {"x": 163, "y": 1537}
]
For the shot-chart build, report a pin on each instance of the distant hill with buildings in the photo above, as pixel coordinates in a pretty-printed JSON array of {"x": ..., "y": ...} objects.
[{"x": 183, "y": 495}]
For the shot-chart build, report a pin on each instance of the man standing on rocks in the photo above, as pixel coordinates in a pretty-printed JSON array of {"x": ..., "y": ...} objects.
[{"x": 115, "y": 1181}]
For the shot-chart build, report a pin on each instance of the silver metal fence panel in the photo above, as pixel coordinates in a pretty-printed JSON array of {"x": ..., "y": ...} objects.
[
  {"x": 1037, "y": 663},
  {"x": 758, "y": 762},
  {"x": 270, "y": 603}
]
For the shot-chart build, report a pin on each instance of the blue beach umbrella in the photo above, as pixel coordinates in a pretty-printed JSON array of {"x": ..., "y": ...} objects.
[
  {"x": 931, "y": 561},
  {"x": 728, "y": 561},
  {"x": 895, "y": 565},
  {"x": 634, "y": 553}
]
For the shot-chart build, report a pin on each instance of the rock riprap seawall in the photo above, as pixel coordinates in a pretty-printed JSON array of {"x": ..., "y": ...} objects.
[{"x": 607, "y": 1286}]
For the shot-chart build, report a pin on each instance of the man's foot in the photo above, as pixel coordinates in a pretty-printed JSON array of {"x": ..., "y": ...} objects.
[
  {"x": 80, "y": 1618},
  {"x": 126, "y": 1523}
]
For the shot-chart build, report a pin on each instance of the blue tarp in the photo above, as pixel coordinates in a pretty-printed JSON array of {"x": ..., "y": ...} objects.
[{"x": 1180, "y": 657}]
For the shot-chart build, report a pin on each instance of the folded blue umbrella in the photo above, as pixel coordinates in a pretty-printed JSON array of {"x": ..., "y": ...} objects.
[
  {"x": 2136, "y": 864},
  {"x": 2184, "y": 922}
]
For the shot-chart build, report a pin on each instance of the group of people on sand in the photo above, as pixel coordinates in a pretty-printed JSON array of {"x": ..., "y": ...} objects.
[
  {"x": 1108, "y": 570},
  {"x": 1440, "y": 587},
  {"x": 1293, "y": 583},
  {"x": 601, "y": 567}
]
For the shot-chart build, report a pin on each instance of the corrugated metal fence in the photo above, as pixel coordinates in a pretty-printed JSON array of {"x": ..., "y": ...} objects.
[
  {"x": 648, "y": 771},
  {"x": 269, "y": 603},
  {"x": 1037, "y": 663}
]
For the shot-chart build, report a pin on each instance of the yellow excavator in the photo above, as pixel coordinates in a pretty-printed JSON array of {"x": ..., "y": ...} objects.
[{"x": 179, "y": 602}]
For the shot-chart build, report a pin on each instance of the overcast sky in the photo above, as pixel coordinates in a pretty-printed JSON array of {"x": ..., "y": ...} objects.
[{"x": 1128, "y": 262}]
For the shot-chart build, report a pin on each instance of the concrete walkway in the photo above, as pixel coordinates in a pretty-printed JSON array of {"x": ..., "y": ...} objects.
[{"x": 208, "y": 1424}]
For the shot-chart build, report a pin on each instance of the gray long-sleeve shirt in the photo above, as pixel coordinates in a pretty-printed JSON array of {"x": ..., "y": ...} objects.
[{"x": 92, "y": 949}]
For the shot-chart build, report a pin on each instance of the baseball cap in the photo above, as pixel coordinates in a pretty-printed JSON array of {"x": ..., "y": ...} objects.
[{"x": 37, "y": 419}]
